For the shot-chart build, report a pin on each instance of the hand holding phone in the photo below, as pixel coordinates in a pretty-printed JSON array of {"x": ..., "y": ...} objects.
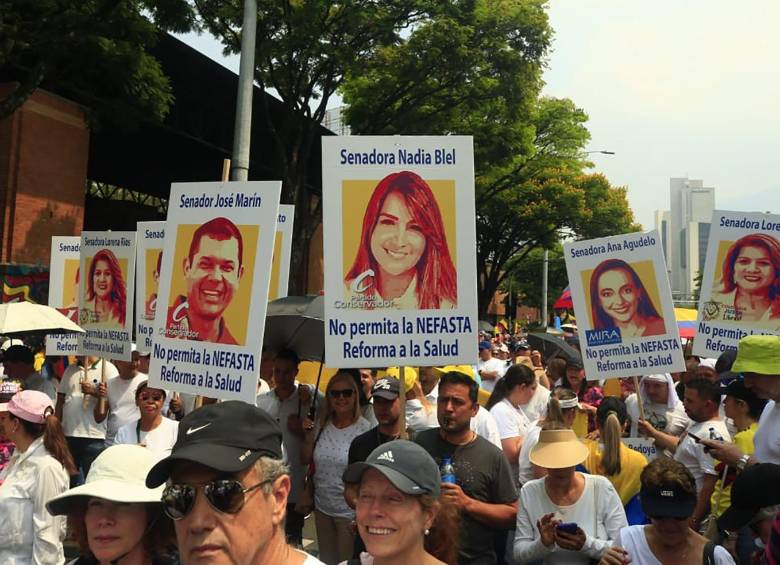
[{"x": 568, "y": 527}]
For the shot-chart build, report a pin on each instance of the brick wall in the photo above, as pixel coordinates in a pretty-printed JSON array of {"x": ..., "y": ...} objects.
[{"x": 44, "y": 147}]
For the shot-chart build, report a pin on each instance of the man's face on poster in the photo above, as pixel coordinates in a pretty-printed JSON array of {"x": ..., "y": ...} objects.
[{"x": 212, "y": 276}]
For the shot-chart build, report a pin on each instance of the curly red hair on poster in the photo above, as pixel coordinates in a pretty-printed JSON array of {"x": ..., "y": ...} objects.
[{"x": 118, "y": 293}]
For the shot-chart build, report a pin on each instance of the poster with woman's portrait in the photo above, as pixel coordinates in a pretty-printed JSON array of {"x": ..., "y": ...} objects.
[
  {"x": 280, "y": 264},
  {"x": 106, "y": 293},
  {"x": 740, "y": 291},
  {"x": 64, "y": 291},
  {"x": 623, "y": 304},
  {"x": 213, "y": 288},
  {"x": 151, "y": 236},
  {"x": 399, "y": 250}
]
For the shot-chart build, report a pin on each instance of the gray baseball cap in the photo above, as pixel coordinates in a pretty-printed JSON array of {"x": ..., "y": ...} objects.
[{"x": 405, "y": 464}]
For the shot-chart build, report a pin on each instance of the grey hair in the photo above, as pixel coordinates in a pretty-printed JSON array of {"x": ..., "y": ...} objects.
[
  {"x": 270, "y": 470},
  {"x": 766, "y": 513}
]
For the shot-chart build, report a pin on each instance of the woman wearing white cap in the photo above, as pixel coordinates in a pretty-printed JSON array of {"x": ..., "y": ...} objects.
[
  {"x": 37, "y": 471},
  {"x": 662, "y": 407},
  {"x": 565, "y": 517},
  {"x": 115, "y": 518}
]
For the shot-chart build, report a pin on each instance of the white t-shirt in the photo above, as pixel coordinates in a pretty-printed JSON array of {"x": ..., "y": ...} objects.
[
  {"x": 536, "y": 408},
  {"x": 121, "y": 403},
  {"x": 525, "y": 469},
  {"x": 692, "y": 455},
  {"x": 511, "y": 422},
  {"x": 280, "y": 410},
  {"x": 484, "y": 424},
  {"x": 418, "y": 418},
  {"x": 78, "y": 419},
  {"x": 598, "y": 512},
  {"x": 330, "y": 461},
  {"x": 672, "y": 422},
  {"x": 634, "y": 541},
  {"x": 159, "y": 441},
  {"x": 491, "y": 365},
  {"x": 767, "y": 439}
]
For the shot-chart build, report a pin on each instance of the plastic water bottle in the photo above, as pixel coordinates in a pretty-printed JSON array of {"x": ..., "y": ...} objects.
[{"x": 447, "y": 470}]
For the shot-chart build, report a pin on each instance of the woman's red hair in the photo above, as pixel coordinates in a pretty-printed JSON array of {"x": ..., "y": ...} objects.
[
  {"x": 436, "y": 277},
  {"x": 118, "y": 289}
]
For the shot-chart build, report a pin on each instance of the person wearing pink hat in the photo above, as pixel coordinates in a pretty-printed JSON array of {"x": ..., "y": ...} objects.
[{"x": 37, "y": 471}]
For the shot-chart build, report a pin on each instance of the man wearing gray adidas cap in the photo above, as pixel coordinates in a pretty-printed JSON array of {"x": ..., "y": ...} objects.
[{"x": 227, "y": 488}]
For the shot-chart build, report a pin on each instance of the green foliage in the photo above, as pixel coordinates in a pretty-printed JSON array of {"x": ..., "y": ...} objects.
[{"x": 92, "y": 50}]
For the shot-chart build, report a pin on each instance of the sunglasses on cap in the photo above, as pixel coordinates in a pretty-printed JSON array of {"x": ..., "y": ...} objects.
[
  {"x": 344, "y": 393},
  {"x": 224, "y": 495}
]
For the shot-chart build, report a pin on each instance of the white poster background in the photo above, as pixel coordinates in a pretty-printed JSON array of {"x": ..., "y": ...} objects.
[
  {"x": 284, "y": 229},
  {"x": 216, "y": 370},
  {"x": 645, "y": 446},
  {"x": 607, "y": 353},
  {"x": 722, "y": 323},
  {"x": 64, "y": 249},
  {"x": 361, "y": 337},
  {"x": 107, "y": 339},
  {"x": 151, "y": 236}
]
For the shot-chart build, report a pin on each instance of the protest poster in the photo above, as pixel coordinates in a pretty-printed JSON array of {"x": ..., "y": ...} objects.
[
  {"x": 214, "y": 288},
  {"x": 64, "y": 291},
  {"x": 147, "y": 277},
  {"x": 645, "y": 446},
  {"x": 280, "y": 266},
  {"x": 740, "y": 289},
  {"x": 623, "y": 306},
  {"x": 399, "y": 251},
  {"x": 106, "y": 292}
]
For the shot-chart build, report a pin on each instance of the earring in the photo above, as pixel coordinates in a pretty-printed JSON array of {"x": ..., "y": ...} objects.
[{"x": 427, "y": 531}]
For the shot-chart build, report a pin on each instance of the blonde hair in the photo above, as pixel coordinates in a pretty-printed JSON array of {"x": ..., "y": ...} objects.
[
  {"x": 611, "y": 416},
  {"x": 341, "y": 377},
  {"x": 554, "y": 419}
]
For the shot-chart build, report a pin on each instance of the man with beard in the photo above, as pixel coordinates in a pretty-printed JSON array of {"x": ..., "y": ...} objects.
[
  {"x": 212, "y": 269},
  {"x": 485, "y": 490}
]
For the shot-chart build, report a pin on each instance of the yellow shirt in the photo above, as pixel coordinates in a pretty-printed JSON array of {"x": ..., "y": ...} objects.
[
  {"x": 743, "y": 440},
  {"x": 626, "y": 482},
  {"x": 580, "y": 425}
]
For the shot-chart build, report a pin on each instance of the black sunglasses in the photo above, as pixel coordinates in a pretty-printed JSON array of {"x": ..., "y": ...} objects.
[
  {"x": 345, "y": 393},
  {"x": 224, "y": 495}
]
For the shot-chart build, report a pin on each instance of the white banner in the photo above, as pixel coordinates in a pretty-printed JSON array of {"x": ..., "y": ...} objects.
[
  {"x": 623, "y": 305},
  {"x": 64, "y": 291},
  {"x": 107, "y": 292},
  {"x": 643, "y": 445},
  {"x": 740, "y": 289},
  {"x": 280, "y": 267},
  {"x": 151, "y": 236},
  {"x": 399, "y": 251},
  {"x": 213, "y": 292}
]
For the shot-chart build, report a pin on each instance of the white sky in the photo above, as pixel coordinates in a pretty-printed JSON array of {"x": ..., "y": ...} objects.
[{"x": 674, "y": 87}]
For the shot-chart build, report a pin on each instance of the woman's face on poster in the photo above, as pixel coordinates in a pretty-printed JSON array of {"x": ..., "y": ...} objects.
[
  {"x": 397, "y": 242},
  {"x": 753, "y": 269},
  {"x": 618, "y": 295},
  {"x": 102, "y": 280}
]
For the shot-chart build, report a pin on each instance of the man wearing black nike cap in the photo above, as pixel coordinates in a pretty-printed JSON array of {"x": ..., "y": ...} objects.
[{"x": 227, "y": 488}]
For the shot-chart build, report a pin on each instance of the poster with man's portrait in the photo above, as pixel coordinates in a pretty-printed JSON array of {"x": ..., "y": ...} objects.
[
  {"x": 623, "y": 305},
  {"x": 399, "y": 250},
  {"x": 151, "y": 236},
  {"x": 64, "y": 291},
  {"x": 106, "y": 293},
  {"x": 740, "y": 290},
  {"x": 213, "y": 288}
]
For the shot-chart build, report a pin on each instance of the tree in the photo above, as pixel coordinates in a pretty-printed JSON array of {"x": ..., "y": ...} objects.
[
  {"x": 304, "y": 50},
  {"x": 524, "y": 277},
  {"x": 93, "y": 50}
]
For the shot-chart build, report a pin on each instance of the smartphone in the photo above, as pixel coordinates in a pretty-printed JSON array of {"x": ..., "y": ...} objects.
[
  {"x": 569, "y": 527},
  {"x": 696, "y": 438}
]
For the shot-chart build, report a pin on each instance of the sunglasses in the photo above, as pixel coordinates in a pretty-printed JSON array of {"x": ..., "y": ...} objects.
[
  {"x": 344, "y": 393},
  {"x": 225, "y": 495}
]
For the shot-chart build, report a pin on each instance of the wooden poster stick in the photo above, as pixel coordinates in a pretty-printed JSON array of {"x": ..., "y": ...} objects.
[
  {"x": 102, "y": 400},
  {"x": 402, "y": 396},
  {"x": 85, "y": 398},
  {"x": 638, "y": 398}
]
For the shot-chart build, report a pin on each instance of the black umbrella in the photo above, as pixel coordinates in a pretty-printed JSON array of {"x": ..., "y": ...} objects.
[
  {"x": 552, "y": 346},
  {"x": 484, "y": 326},
  {"x": 296, "y": 323}
]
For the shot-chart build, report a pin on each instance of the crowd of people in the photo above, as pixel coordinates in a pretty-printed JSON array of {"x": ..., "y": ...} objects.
[{"x": 516, "y": 459}]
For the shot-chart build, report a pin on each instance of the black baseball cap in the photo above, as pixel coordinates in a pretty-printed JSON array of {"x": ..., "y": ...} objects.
[
  {"x": 387, "y": 388},
  {"x": 667, "y": 501},
  {"x": 575, "y": 361},
  {"x": 228, "y": 437},
  {"x": 405, "y": 464},
  {"x": 20, "y": 353},
  {"x": 737, "y": 389},
  {"x": 754, "y": 488}
]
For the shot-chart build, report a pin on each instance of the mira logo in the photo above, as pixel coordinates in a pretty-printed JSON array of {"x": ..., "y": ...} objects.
[{"x": 603, "y": 337}]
